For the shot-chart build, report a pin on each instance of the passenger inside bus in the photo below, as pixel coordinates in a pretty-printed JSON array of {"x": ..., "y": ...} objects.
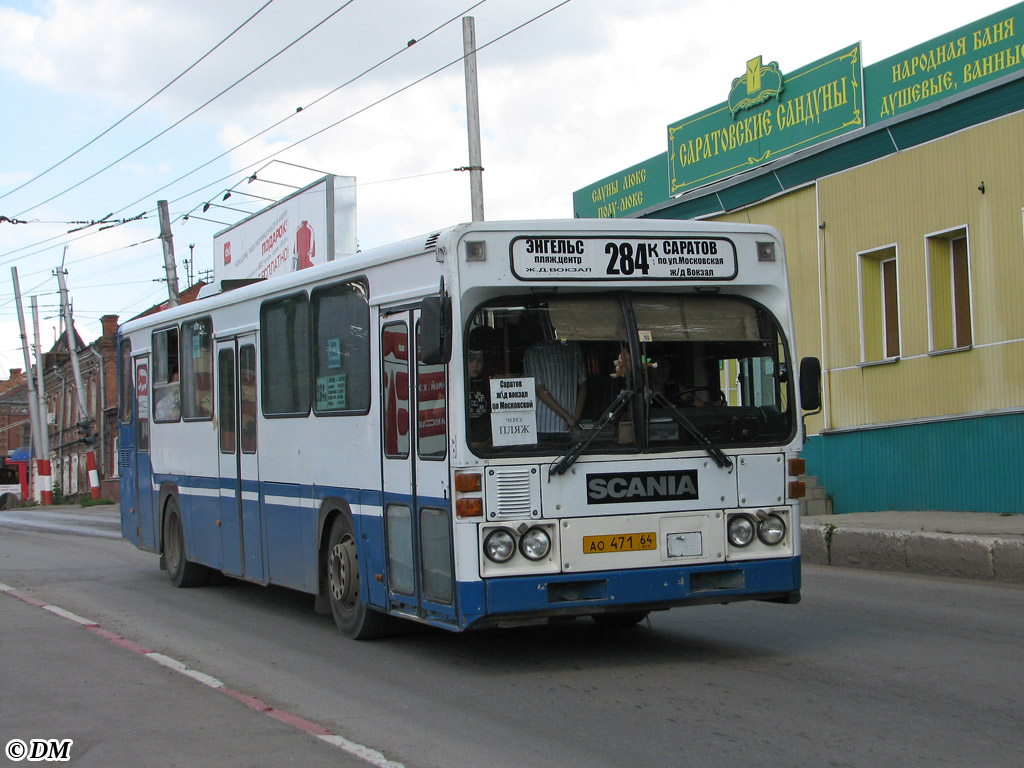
[
  {"x": 168, "y": 399},
  {"x": 560, "y": 379}
]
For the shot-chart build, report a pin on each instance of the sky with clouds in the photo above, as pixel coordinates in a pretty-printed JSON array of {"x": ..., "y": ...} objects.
[{"x": 570, "y": 92}]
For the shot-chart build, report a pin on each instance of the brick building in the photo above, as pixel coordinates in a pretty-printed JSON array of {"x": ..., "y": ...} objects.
[
  {"x": 14, "y": 422},
  {"x": 98, "y": 364}
]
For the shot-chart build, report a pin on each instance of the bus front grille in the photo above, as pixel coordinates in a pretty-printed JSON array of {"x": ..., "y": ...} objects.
[{"x": 513, "y": 493}]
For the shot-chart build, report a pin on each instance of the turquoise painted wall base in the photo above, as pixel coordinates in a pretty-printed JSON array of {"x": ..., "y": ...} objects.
[{"x": 968, "y": 465}]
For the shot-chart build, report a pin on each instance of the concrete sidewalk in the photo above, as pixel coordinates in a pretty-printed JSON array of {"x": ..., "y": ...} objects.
[{"x": 965, "y": 545}]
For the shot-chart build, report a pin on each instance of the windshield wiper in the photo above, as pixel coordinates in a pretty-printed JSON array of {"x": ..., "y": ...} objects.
[
  {"x": 713, "y": 450},
  {"x": 560, "y": 466}
]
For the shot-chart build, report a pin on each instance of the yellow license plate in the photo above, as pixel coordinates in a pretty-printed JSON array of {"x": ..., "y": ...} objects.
[{"x": 619, "y": 542}]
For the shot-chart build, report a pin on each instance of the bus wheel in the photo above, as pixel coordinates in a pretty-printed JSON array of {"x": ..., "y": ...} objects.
[
  {"x": 351, "y": 614},
  {"x": 182, "y": 572},
  {"x": 619, "y": 620}
]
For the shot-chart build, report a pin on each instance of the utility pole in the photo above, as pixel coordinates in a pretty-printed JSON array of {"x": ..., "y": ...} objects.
[
  {"x": 476, "y": 179},
  {"x": 44, "y": 470},
  {"x": 40, "y": 389},
  {"x": 84, "y": 422},
  {"x": 170, "y": 269},
  {"x": 190, "y": 265},
  {"x": 42, "y": 459}
]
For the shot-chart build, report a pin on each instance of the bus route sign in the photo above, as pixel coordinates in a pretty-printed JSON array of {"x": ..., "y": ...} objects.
[{"x": 540, "y": 257}]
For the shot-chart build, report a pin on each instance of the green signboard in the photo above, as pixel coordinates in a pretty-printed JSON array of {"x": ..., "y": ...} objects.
[
  {"x": 955, "y": 62},
  {"x": 767, "y": 115},
  {"x": 639, "y": 186}
]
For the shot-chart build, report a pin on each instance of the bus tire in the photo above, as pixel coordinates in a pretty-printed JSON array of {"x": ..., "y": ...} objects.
[
  {"x": 352, "y": 616},
  {"x": 182, "y": 572}
]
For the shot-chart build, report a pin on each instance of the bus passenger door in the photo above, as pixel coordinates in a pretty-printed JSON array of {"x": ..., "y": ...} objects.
[
  {"x": 417, "y": 509},
  {"x": 148, "y": 536},
  {"x": 241, "y": 530}
]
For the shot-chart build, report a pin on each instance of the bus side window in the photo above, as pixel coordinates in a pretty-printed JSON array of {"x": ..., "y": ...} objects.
[
  {"x": 341, "y": 348},
  {"x": 166, "y": 392},
  {"x": 394, "y": 340},
  {"x": 226, "y": 405},
  {"x": 284, "y": 341},
  {"x": 248, "y": 408},
  {"x": 127, "y": 390},
  {"x": 197, "y": 369},
  {"x": 431, "y": 407}
]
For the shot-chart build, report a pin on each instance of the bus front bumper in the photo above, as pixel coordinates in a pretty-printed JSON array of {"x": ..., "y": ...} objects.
[{"x": 520, "y": 599}]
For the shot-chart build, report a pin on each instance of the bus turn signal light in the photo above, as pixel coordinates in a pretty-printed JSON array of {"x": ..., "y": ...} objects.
[
  {"x": 797, "y": 489},
  {"x": 469, "y": 507},
  {"x": 797, "y": 467},
  {"x": 468, "y": 482}
]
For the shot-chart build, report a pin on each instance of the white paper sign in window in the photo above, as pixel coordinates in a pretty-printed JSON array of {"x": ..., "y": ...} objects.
[{"x": 513, "y": 411}]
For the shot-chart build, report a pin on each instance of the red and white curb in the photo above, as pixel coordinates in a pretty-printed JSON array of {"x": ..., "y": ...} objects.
[{"x": 368, "y": 755}]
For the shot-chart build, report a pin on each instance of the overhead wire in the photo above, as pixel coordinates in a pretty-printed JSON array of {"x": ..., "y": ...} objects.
[
  {"x": 291, "y": 115},
  {"x": 190, "y": 114},
  {"x": 140, "y": 106},
  {"x": 58, "y": 237},
  {"x": 256, "y": 136},
  {"x": 362, "y": 109},
  {"x": 103, "y": 253},
  {"x": 272, "y": 155}
]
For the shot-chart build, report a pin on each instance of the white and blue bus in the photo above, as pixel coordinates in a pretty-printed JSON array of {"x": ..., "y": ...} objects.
[{"x": 494, "y": 424}]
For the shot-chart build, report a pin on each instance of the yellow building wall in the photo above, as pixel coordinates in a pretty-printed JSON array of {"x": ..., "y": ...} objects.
[{"x": 899, "y": 201}]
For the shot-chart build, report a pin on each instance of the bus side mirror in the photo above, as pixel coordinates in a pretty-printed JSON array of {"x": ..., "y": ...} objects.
[
  {"x": 810, "y": 384},
  {"x": 436, "y": 330}
]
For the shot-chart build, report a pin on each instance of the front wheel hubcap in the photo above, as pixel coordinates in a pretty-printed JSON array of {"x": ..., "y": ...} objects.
[{"x": 343, "y": 571}]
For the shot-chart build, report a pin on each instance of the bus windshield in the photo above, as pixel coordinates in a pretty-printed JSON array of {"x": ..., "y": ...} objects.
[{"x": 624, "y": 372}]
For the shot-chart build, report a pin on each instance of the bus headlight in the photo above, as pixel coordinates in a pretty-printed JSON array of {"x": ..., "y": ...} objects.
[
  {"x": 499, "y": 546},
  {"x": 741, "y": 530},
  {"x": 771, "y": 530},
  {"x": 535, "y": 544}
]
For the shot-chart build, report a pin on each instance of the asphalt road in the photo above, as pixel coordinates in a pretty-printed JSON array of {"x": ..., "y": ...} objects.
[{"x": 871, "y": 669}]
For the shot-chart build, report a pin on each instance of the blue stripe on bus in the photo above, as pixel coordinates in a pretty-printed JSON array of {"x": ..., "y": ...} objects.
[
  {"x": 189, "y": 481},
  {"x": 288, "y": 490},
  {"x": 648, "y": 586},
  {"x": 350, "y": 495},
  {"x": 370, "y": 497}
]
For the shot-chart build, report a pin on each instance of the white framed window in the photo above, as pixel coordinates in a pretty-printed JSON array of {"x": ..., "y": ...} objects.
[
  {"x": 950, "y": 326},
  {"x": 879, "y": 304}
]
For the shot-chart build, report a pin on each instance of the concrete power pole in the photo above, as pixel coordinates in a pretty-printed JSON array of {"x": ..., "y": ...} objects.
[
  {"x": 170, "y": 269},
  {"x": 476, "y": 178},
  {"x": 44, "y": 480},
  {"x": 40, "y": 376},
  {"x": 84, "y": 421}
]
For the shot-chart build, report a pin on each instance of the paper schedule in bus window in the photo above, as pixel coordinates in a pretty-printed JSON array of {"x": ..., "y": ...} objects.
[{"x": 331, "y": 393}]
